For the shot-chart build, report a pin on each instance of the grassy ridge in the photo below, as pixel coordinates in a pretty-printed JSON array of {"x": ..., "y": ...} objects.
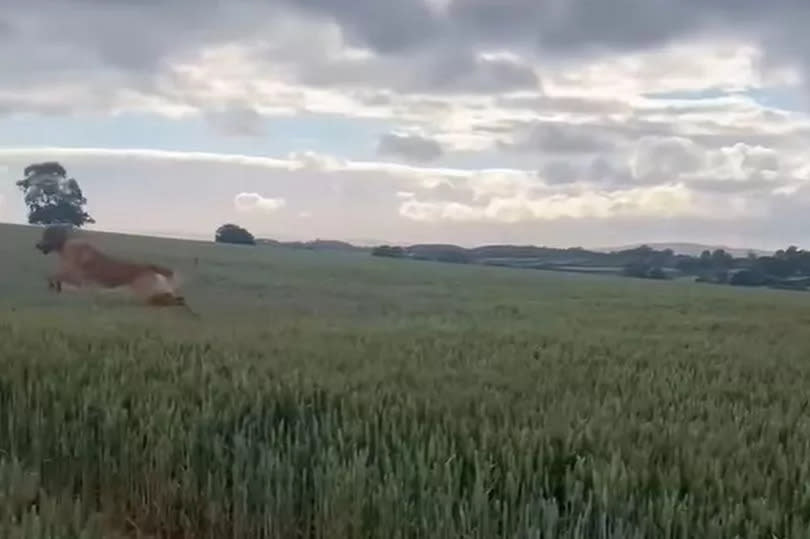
[{"x": 345, "y": 396}]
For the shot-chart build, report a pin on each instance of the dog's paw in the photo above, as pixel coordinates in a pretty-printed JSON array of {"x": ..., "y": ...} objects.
[{"x": 166, "y": 299}]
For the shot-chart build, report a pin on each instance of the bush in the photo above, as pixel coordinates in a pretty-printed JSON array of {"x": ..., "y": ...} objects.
[
  {"x": 230, "y": 233},
  {"x": 641, "y": 270},
  {"x": 747, "y": 277},
  {"x": 389, "y": 251}
]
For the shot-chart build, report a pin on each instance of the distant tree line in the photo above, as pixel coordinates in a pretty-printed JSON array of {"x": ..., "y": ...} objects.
[{"x": 786, "y": 268}]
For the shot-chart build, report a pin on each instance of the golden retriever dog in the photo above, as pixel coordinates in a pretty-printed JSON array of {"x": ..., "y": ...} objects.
[{"x": 82, "y": 265}]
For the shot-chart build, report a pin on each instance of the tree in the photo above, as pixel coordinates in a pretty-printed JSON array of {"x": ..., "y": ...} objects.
[
  {"x": 721, "y": 259},
  {"x": 52, "y": 197},
  {"x": 231, "y": 233},
  {"x": 389, "y": 251}
]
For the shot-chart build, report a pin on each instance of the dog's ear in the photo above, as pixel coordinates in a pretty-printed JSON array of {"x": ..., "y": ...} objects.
[{"x": 53, "y": 238}]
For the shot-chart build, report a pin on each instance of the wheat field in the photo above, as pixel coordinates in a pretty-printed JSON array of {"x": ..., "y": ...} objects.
[{"x": 327, "y": 395}]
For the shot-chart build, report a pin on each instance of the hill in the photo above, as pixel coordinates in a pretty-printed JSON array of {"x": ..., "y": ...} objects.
[
  {"x": 571, "y": 255},
  {"x": 324, "y": 394}
]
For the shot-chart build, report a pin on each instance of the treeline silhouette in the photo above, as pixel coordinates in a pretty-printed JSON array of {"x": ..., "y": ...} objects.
[{"x": 786, "y": 268}]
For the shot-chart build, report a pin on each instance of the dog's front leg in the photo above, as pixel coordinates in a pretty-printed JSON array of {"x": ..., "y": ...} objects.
[
  {"x": 54, "y": 284},
  {"x": 62, "y": 276}
]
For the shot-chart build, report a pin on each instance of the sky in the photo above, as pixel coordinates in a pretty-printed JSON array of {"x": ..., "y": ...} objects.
[{"x": 548, "y": 122}]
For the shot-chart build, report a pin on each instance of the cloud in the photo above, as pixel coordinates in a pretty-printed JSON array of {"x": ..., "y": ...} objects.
[
  {"x": 309, "y": 160},
  {"x": 141, "y": 154},
  {"x": 237, "y": 120},
  {"x": 654, "y": 162},
  {"x": 249, "y": 202},
  {"x": 665, "y": 157},
  {"x": 659, "y": 201},
  {"x": 412, "y": 147},
  {"x": 560, "y": 138},
  {"x": 410, "y": 203},
  {"x": 333, "y": 56},
  {"x": 728, "y": 169},
  {"x": 505, "y": 114}
]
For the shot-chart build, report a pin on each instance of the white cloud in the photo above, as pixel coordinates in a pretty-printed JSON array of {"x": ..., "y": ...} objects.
[
  {"x": 250, "y": 202},
  {"x": 659, "y": 201},
  {"x": 306, "y": 161},
  {"x": 142, "y": 154},
  {"x": 664, "y": 176},
  {"x": 314, "y": 161},
  {"x": 698, "y": 65},
  {"x": 469, "y": 206}
]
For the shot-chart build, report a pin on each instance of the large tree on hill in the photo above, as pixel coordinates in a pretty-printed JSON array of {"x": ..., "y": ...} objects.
[{"x": 52, "y": 197}]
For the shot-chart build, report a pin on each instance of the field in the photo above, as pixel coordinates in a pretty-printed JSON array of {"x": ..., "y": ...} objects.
[{"x": 348, "y": 396}]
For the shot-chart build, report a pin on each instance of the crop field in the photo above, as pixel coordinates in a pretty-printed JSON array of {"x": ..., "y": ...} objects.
[{"x": 342, "y": 396}]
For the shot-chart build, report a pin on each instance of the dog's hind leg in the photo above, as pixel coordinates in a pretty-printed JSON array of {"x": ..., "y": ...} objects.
[
  {"x": 157, "y": 290},
  {"x": 167, "y": 299}
]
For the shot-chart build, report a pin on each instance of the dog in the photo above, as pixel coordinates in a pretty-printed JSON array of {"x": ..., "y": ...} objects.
[{"x": 82, "y": 265}]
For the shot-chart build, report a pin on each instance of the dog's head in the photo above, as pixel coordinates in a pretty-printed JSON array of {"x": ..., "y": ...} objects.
[{"x": 53, "y": 239}]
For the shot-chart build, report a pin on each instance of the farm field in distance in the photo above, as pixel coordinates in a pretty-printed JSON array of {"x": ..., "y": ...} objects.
[{"x": 336, "y": 395}]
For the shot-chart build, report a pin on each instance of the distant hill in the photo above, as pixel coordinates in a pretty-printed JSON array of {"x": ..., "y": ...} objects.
[
  {"x": 573, "y": 255},
  {"x": 685, "y": 248},
  {"x": 315, "y": 245}
]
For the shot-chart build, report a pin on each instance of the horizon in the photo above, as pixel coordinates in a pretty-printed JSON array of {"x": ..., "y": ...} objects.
[
  {"x": 370, "y": 244},
  {"x": 444, "y": 123}
]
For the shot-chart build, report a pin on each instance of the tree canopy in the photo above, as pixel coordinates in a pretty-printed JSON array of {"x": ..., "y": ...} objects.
[
  {"x": 52, "y": 197},
  {"x": 231, "y": 233}
]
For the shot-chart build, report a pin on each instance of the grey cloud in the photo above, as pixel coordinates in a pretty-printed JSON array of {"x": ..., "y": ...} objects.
[
  {"x": 666, "y": 158},
  {"x": 463, "y": 73},
  {"x": 237, "y": 120},
  {"x": 385, "y": 26},
  {"x": 438, "y": 71},
  {"x": 410, "y": 146},
  {"x": 571, "y": 27},
  {"x": 373, "y": 98},
  {"x": 164, "y": 27},
  {"x": 560, "y": 172},
  {"x": 419, "y": 49},
  {"x": 732, "y": 186},
  {"x": 575, "y": 24},
  {"x": 6, "y": 30},
  {"x": 607, "y": 172},
  {"x": 705, "y": 132},
  {"x": 540, "y": 103},
  {"x": 559, "y": 137}
]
